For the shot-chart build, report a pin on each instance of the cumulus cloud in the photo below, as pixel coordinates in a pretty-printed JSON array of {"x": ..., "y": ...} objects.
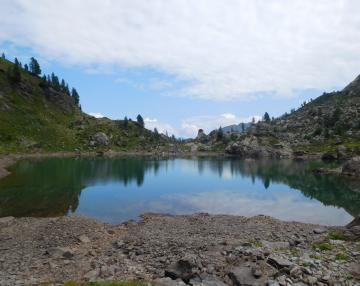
[
  {"x": 162, "y": 127},
  {"x": 190, "y": 126},
  {"x": 96, "y": 114},
  {"x": 224, "y": 49}
]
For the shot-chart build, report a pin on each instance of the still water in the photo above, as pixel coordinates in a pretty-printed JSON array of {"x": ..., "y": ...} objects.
[{"x": 118, "y": 189}]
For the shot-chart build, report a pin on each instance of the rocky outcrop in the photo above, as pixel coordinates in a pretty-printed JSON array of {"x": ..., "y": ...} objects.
[
  {"x": 100, "y": 139},
  {"x": 201, "y": 136},
  {"x": 352, "y": 167},
  {"x": 252, "y": 147}
]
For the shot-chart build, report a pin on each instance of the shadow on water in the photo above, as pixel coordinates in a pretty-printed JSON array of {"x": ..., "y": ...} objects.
[{"x": 53, "y": 186}]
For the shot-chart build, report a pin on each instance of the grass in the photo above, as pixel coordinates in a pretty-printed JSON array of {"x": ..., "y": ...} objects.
[
  {"x": 336, "y": 235},
  {"x": 342, "y": 256},
  {"x": 112, "y": 283},
  {"x": 314, "y": 256},
  {"x": 323, "y": 246}
]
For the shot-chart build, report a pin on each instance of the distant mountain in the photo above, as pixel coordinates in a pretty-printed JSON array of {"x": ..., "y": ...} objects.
[{"x": 237, "y": 128}]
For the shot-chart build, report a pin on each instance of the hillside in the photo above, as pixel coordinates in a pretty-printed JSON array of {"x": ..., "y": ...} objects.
[
  {"x": 34, "y": 117},
  {"x": 328, "y": 125}
]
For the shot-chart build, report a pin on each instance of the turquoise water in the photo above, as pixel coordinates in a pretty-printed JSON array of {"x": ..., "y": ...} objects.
[{"x": 118, "y": 189}]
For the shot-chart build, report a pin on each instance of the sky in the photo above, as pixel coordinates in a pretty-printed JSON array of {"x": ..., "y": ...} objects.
[{"x": 188, "y": 64}]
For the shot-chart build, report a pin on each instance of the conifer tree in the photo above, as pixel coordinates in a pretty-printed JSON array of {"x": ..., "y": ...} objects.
[
  {"x": 34, "y": 67},
  {"x": 140, "y": 121},
  {"x": 266, "y": 117},
  {"x": 75, "y": 96},
  {"x": 3, "y": 56},
  {"x": 26, "y": 67}
]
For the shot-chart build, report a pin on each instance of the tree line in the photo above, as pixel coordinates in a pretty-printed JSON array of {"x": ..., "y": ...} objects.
[{"x": 52, "y": 80}]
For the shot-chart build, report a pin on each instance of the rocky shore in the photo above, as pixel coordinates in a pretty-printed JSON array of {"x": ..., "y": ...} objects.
[{"x": 197, "y": 250}]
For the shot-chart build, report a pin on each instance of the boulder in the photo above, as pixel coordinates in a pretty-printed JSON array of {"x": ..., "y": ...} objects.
[
  {"x": 100, "y": 139},
  {"x": 352, "y": 167},
  {"x": 60, "y": 252},
  {"x": 182, "y": 269},
  {"x": 201, "y": 136},
  {"x": 6, "y": 219},
  {"x": 278, "y": 262},
  {"x": 244, "y": 276},
  {"x": 328, "y": 156}
]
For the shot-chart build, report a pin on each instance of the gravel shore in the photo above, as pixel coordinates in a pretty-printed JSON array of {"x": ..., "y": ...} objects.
[{"x": 197, "y": 249}]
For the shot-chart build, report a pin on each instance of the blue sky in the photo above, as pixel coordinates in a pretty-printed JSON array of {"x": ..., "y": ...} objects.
[{"x": 186, "y": 65}]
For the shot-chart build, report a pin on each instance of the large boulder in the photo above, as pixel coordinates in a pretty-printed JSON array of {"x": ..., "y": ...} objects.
[
  {"x": 352, "y": 167},
  {"x": 100, "y": 139},
  {"x": 201, "y": 136}
]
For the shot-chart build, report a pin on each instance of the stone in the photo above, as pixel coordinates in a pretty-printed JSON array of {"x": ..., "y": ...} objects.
[
  {"x": 181, "y": 269},
  {"x": 243, "y": 276},
  {"x": 60, "y": 252},
  {"x": 320, "y": 230},
  {"x": 352, "y": 167},
  {"x": 355, "y": 270},
  {"x": 101, "y": 138},
  {"x": 278, "y": 262},
  {"x": 84, "y": 239},
  {"x": 166, "y": 281},
  {"x": 92, "y": 275},
  {"x": 295, "y": 271},
  {"x": 6, "y": 219}
]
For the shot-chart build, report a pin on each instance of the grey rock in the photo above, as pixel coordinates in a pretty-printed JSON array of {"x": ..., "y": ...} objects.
[
  {"x": 84, "y": 239},
  {"x": 182, "y": 269},
  {"x": 6, "y": 219},
  {"x": 60, "y": 252},
  {"x": 166, "y": 281},
  {"x": 278, "y": 262},
  {"x": 243, "y": 276},
  {"x": 101, "y": 138},
  {"x": 320, "y": 230},
  {"x": 352, "y": 167}
]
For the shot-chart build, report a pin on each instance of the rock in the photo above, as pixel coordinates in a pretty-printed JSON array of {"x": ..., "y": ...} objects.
[
  {"x": 352, "y": 167},
  {"x": 243, "y": 276},
  {"x": 84, "y": 239},
  {"x": 341, "y": 153},
  {"x": 278, "y": 262},
  {"x": 208, "y": 281},
  {"x": 355, "y": 270},
  {"x": 60, "y": 252},
  {"x": 166, "y": 281},
  {"x": 328, "y": 156},
  {"x": 272, "y": 283},
  {"x": 101, "y": 138},
  {"x": 182, "y": 269},
  {"x": 354, "y": 222},
  {"x": 275, "y": 244},
  {"x": 201, "y": 136},
  {"x": 295, "y": 271},
  {"x": 92, "y": 275},
  {"x": 320, "y": 230},
  {"x": 6, "y": 219}
]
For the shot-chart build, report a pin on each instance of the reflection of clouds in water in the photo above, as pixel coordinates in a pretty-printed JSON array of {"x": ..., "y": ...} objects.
[{"x": 282, "y": 205}]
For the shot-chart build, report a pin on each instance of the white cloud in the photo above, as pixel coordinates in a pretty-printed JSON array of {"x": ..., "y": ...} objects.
[
  {"x": 162, "y": 127},
  {"x": 96, "y": 114},
  {"x": 190, "y": 126},
  {"x": 225, "y": 49}
]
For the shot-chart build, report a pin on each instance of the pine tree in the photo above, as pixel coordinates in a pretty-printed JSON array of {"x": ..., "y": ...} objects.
[
  {"x": 34, "y": 67},
  {"x": 55, "y": 81},
  {"x": 126, "y": 122},
  {"x": 242, "y": 127},
  {"x": 26, "y": 67},
  {"x": 14, "y": 72},
  {"x": 63, "y": 85},
  {"x": 220, "y": 134},
  {"x": 266, "y": 117},
  {"x": 67, "y": 90},
  {"x": 3, "y": 56},
  {"x": 75, "y": 96},
  {"x": 140, "y": 121}
]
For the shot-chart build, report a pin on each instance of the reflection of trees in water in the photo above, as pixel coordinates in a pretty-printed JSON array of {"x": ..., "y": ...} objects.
[
  {"x": 328, "y": 189},
  {"x": 55, "y": 184}
]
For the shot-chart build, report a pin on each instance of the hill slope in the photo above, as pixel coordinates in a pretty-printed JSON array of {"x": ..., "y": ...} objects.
[
  {"x": 35, "y": 117},
  {"x": 330, "y": 123}
]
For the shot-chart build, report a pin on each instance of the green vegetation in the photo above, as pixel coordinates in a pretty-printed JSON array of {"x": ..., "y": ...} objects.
[
  {"x": 119, "y": 283},
  {"x": 39, "y": 114},
  {"x": 342, "y": 256},
  {"x": 314, "y": 256},
  {"x": 337, "y": 235},
  {"x": 323, "y": 246}
]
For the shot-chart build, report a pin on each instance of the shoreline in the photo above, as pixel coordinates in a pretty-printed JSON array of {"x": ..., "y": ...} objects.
[{"x": 198, "y": 249}]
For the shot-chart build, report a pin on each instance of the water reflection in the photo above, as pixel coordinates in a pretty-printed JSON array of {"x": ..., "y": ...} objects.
[{"x": 116, "y": 189}]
